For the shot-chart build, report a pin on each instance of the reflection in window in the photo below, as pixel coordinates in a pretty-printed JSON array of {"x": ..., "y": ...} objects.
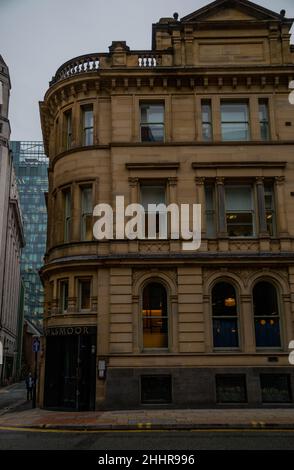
[
  {"x": 86, "y": 214},
  {"x": 88, "y": 125},
  {"x": 239, "y": 211},
  {"x": 67, "y": 214},
  {"x": 155, "y": 316},
  {"x": 152, "y": 122},
  {"x": 152, "y": 194},
  {"x": 235, "y": 121},
  {"x": 264, "y": 119},
  {"x": 224, "y": 316},
  {"x": 206, "y": 120},
  {"x": 266, "y": 315},
  {"x": 270, "y": 209}
]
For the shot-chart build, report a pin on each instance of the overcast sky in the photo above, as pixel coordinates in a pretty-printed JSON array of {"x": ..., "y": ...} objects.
[{"x": 37, "y": 36}]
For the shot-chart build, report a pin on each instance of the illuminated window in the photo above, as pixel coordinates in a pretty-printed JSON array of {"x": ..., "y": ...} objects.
[
  {"x": 239, "y": 211},
  {"x": 266, "y": 315},
  {"x": 155, "y": 316},
  {"x": 270, "y": 209},
  {"x": 224, "y": 316}
]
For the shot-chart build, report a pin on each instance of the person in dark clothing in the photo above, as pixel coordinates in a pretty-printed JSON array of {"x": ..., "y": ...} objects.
[{"x": 30, "y": 386}]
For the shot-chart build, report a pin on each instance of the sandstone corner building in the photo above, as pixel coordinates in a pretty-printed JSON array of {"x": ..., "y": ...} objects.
[{"x": 203, "y": 117}]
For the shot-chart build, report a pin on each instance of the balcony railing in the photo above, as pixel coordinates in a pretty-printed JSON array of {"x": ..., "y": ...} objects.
[{"x": 94, "y": 62}]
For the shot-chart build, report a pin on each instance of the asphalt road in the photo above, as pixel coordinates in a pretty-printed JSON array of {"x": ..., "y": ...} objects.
[
  {"x": 136, "y": 440},
  {"x": 12, "y": 396}
]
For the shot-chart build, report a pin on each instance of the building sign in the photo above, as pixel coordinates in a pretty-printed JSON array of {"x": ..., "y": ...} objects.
[{"x": 70, "y": 331}]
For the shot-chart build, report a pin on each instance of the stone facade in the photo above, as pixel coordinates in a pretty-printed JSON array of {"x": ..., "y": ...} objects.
[
  {"x": 11, "y": 239},
  {"x": 227, "y": 55}
]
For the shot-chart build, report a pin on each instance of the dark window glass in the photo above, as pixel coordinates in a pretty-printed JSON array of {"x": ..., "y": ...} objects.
[
  {"x": 156, "y": 389},
  {"x": 234, "y": 121},
  {"x": 266, "y": 316},
  {"x": 152, "y": 122},
  {"x": 85, "y": 293},
  {"x": 225, "y": 317},
  {"x": 275, "y": 388},
  {"x": 63, "y": 293},
  {"x": 86, "y": 214},
  {"x": 270, "y": 210},
  {"x": 206, "y": 120},
  {"x": 210, "y": 212},
  {"x": 155, "y": 316},
  {"x": 264, "y": 119},
  {"x": 67, "y": 214},
  {"x": 231, "y": 389},
  {"x": 68, "y": 129}
]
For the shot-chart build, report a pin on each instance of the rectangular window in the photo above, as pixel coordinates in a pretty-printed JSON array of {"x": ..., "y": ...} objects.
[
  {"x": 156, "y": 389},
  {"x": 152, "y": 194},
  {"x": 63, "y": 296},
  {"x": 234, "y": 121},
  {"x": 152, "y": 122},
  {"x": 270, "y": 209},
  {"x": 86, "y": 213},
  {"x": 239, "y": 211},
  {"x": 88, "y": 125},
  {"x": 210, "y": 212},
  {"x": 231, "y": 389},
  {"x": 264, "y": 119},
  {"x": 68, "y": 129},
  {"x": 206, "y": 120},
  {"x": 67, "y": 215},
  {"x": 84, "y": 294},
  {"x": 275, "y": 388}
]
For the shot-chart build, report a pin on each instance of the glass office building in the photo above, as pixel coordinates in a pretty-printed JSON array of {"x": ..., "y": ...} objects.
[{"x": 31, "y": 166}]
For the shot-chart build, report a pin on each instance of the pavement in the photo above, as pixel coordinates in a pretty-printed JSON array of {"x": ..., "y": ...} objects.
[{"x": 20, "y": 415}]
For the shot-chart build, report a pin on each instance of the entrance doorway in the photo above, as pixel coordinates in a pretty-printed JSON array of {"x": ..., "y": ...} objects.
[{"x": 70, "y": 381}]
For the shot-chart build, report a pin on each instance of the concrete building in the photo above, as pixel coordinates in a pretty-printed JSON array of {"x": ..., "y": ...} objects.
[
  {"x": 11, "y": 240},
  {"x": 203, "y": 117}
]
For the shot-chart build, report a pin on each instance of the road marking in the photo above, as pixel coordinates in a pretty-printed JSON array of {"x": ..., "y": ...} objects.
[{"x": 96, "y": 431}]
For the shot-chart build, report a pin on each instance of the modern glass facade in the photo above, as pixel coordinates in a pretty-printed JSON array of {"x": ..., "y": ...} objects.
[{"x": 31, "y": 166}]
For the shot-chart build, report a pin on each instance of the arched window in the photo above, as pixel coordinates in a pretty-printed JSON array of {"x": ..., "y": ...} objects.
[
  {"x": 155, "y": 316},
  {"x": 225, "y": 316},
  {"x": 266, "y": 315}
]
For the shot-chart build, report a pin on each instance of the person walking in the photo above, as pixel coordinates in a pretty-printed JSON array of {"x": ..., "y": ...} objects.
[{"x": 29, "y": 386}]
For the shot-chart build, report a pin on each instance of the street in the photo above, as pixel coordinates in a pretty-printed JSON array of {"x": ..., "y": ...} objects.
[
  {"x": 12, "y": 396},
  {"x": 136, "y": 440}
]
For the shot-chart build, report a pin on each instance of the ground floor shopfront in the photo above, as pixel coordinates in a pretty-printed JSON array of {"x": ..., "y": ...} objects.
[{"x": 174, "y": 336}]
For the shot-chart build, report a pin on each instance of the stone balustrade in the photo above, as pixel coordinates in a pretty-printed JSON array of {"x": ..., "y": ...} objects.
[{"x": 94, "y": 62}]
